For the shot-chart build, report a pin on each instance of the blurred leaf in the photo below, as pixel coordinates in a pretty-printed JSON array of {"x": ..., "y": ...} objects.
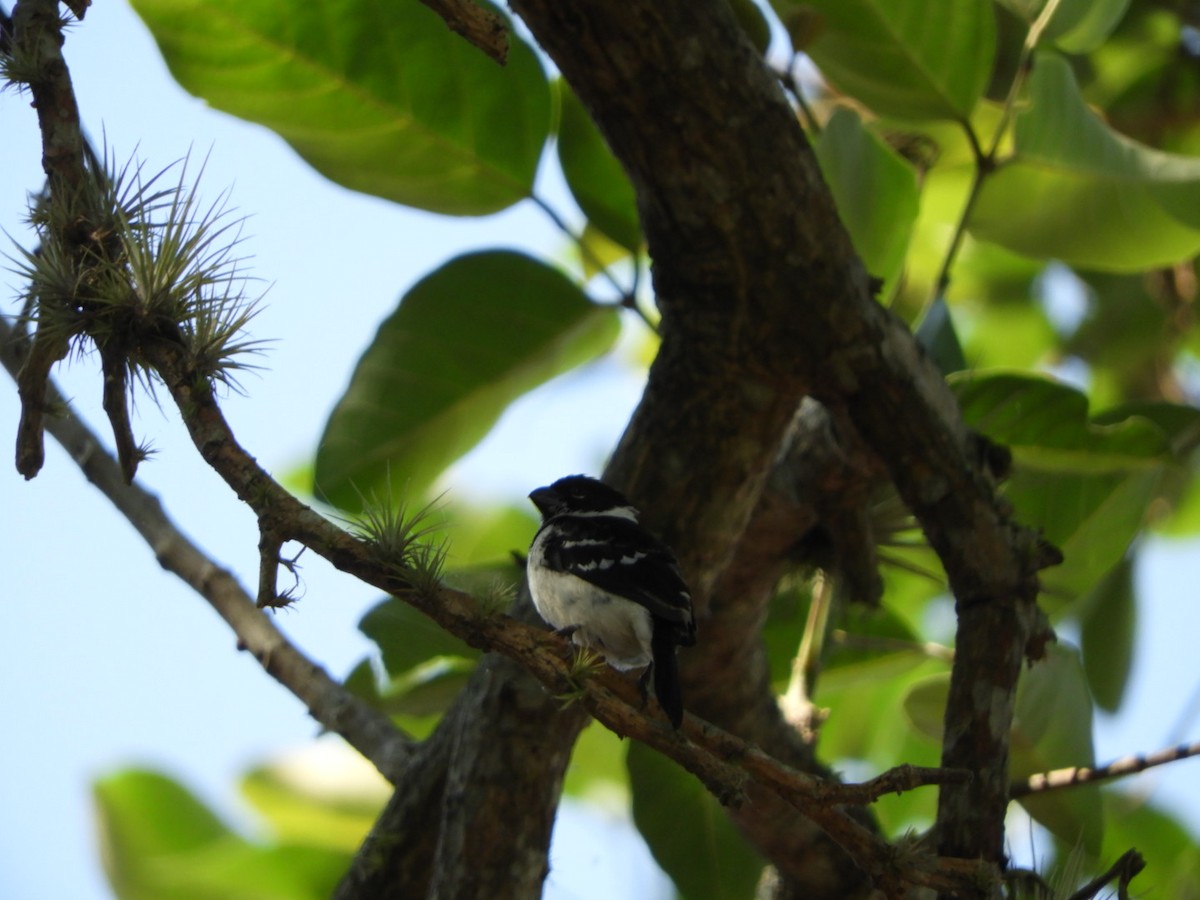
[
  {"x": 597, "y": 773},
  {"x": 867, "y": 719},
  {"x": 1006, "y": 334},
  {"x": 598, "y": 251},
  {"x": 875, "y": 190},
  {"x": 427, "y": 690},
  {"x": 1109, "y": 628},
  {"x": 1179, "y": 422},
  {"x": 1171, "y": 852},
  {"x": 147, "y": 814},
  {"x": 1045, "y": 423},
  {"x": 688, "y": 831},
  {"x": 1141, "y": 206},
  {"x": 160, "y": 843},
  {"x": 905, "y": 58},
  {"x": 488, "y": 535},
  {"x": 466, "y": 340},
  {"x": 381, "y": 98},
  {"x": 597, "y": 181},
  {"x": 1052, "y": 729},
  {"x": 301, "y": 810},
  {"x": 407, "y": 638},
  {"x": 1078, "y": 26},
  {"x": 925, "y": 705}
]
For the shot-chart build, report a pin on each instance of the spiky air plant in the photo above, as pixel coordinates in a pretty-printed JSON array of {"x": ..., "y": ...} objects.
[
  {"x": 126, "y": 264},
  {"x": 405, "y": 542}
]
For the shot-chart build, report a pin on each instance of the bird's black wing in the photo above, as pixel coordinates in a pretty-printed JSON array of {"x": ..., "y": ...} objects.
[{"x": 619, "y": 556}]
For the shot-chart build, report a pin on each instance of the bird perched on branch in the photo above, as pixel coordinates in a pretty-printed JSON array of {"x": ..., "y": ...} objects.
[{"x": 598, "y": 576}]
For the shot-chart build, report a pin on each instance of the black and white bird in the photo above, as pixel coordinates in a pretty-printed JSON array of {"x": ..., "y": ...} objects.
[{"x": 597, "y": 575}]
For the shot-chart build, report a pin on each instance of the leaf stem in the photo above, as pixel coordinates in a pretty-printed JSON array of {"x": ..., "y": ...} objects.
[{"x": 986, "y": 162}]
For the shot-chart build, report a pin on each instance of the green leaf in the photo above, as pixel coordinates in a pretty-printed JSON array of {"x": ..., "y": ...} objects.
[
  {"x": 597, "y": 181},
  {"x": 302, "y": 810},
  {"x": 1052, "y": 729},
  {"x": 146, "y": 814},
  {"x": 407, "y": 638},
  {"x": 1086, "y": 486},
  {"x": 875, "y": 190},
  {"x": 160, "y": 843},
  {"x": 1172, "y": 861},
  {"x": 1079, "y": 192},
  {"x": 466, "y": 340},
  {"x": 925, "y": 705},
  {"x": 1078, "y": 26},
  {"x": 905, "y": 58},
  {"x": 487, "y": 536},
  {"x": 688, "y": 832},
  {"x": 867, "y": 716},
  {"x": 1045, "y": 422},
  {"x": 597, "y": 773},
  {"x": 1109, "y": 614},
  {"x": 381, "y": 98}
]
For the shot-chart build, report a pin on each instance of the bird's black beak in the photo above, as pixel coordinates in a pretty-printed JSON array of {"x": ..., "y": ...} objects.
[{"x": 543, "y": 498}]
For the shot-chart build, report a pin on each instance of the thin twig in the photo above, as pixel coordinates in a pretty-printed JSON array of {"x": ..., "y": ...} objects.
[
  {"x": 986, "y": 161},
  {"x": 1079, "y": 775},
  {"x": 367, "y": 730}
]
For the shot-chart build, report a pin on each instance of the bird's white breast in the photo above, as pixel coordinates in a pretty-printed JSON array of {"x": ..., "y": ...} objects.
[{"x": 613, "y": 626}]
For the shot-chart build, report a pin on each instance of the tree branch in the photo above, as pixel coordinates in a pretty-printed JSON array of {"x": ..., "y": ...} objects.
[
  {"x": 368, "y": 731},
  {"x": 1080, "y": 775},
  {"x": 757, "y": 281}
]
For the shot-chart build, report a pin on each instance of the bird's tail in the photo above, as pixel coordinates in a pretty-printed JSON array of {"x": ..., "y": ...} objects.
[{"x": 666, "y": 674}]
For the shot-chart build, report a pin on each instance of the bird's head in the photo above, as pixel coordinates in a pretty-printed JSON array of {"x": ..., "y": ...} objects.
[{"x": 580, "y": 495}]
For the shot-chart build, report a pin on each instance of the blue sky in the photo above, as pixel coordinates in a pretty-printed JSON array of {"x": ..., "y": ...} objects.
[{"x": 105, "y": 660}]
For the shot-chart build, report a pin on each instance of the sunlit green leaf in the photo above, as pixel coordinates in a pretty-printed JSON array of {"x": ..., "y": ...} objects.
[
  {"x": 1006, "y": 334},
  {"x": 144, "y": 814},
  {"x": 1109, "y": 627},
  {"x": 486, "y": 536},
  {"x": 302, "y": 809},
  {"x": 160, "y": 843},
  {"x": 875, "y": 190},
  {"x": 597, "y": 181},
  {"x": 466, "y": 340},
  {"x": 381, "y": 98},
  {"x": 1140, "y": 206},
  {"x": 1052, "y": 729},
  {"x": 905, "y": 58},
  {"x": 688, "y": 831}
]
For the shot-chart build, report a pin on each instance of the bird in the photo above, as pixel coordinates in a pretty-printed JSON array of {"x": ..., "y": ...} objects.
[{"x": 597, "y": 576}]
